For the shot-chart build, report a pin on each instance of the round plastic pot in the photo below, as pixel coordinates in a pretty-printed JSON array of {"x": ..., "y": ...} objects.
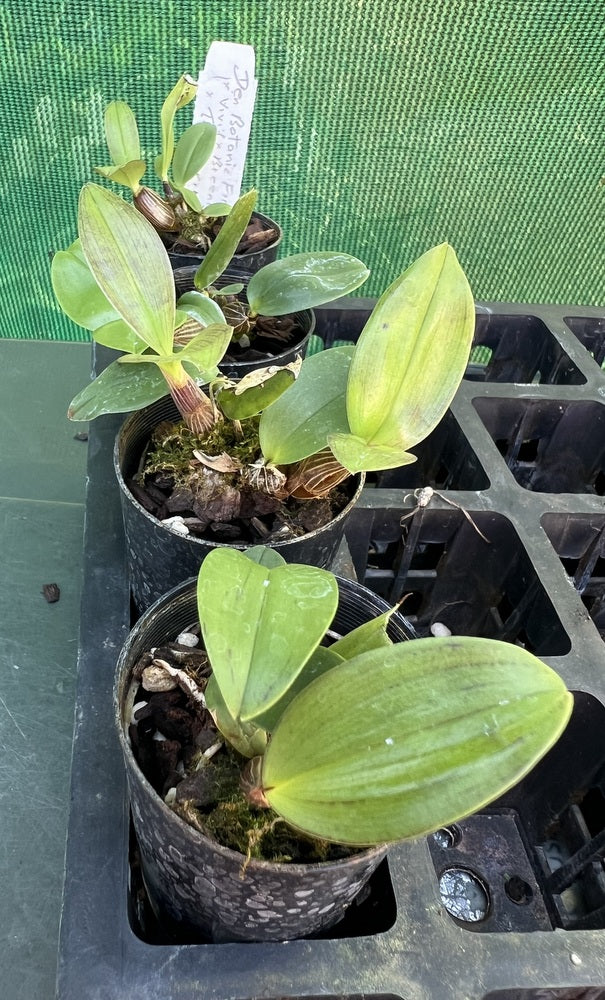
[
  {"x": 197, "y": 887},
  {"x": 158, "y": 557},
  {"x": 235, "y": 368},
  {"x": 253, "y": 260}
]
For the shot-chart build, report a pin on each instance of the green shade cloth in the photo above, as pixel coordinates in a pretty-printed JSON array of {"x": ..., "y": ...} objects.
[{"x": 381, "y": 128}]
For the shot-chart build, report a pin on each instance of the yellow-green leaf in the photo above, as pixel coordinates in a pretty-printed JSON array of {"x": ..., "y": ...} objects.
[
  {"x": 358, "y": 456},
  {"x": 181, "y": 94},
  {"x": 118, "y": 389},
  {"x": 127, "y": 174},
  {"x": 76, "y": 290},
  {"x": 130, "y": 265},
  {"x": 398, "y": 742},
  {"x": 298, "y": 423},
  {"x": 260, "y": 625},
  {"x": 224, "y": 246},
  {"x": 121, "y": 133},
  {"x": 303, "y": 281},
  {"x": 412, "y": 353},
  {"x": 193, "y": 150}
]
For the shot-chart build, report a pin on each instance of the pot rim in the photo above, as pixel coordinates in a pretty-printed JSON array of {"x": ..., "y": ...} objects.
[
  {"x": 121, "y": 704},
  {"x": 265, "y": 219},
  {"x": 202, "y": 542}
]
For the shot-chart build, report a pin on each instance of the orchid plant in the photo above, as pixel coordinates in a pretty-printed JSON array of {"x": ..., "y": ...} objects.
[
  {"x": 348, "y": 410},
  {"x": 178, "y": 210},
  {"x": 116, "y": 281},
  {"x": 363, "y": 741}
]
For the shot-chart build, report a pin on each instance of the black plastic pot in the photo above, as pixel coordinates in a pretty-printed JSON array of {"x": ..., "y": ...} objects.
[
  {"x": 159, "y": 557},
  {"x": 252, "y": 261},
  {"x": 195, "y": 884},
  {"x": 235, "y": 364}
]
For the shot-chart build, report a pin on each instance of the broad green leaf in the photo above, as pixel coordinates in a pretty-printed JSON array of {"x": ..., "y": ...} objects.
[
  {"x": 128, "y": 174},
  {"x": 76, "y": 290},
  {"x": 118, "y": 389},
  {"x": 181, "y": 94},
  {"x": 260, "y": 625},
  {"x": 371, "y": 635},
  {"x": 130, "y": 265},
  {"x": 398, "y": 742},
  {"x": 298, "y": 423},
  {"x": 247, "y": 738},
  {"x": 204, "y": 309},
  {"x": 193, "y": 150},
  {"x": 121, "y": 133},
  {"x": 412, "y": 352},
  {"x": 241, "y": 405},
  {"x": 303, "y": 281},
  {"x": 264, "y": 555},
  {"x": 216, "y": 209},
  {"x": 225, "y": 244},
  {"x": 321, "y": 660},
  {"x": 119, "y": 337},
  {"x": 358, "y": 456}
]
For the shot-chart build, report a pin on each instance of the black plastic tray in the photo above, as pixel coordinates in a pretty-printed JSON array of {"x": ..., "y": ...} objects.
[{"x": 540, "y": 581}]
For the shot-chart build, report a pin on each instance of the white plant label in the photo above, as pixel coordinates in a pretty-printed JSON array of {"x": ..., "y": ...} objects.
[{"x": 225, "y": 97}]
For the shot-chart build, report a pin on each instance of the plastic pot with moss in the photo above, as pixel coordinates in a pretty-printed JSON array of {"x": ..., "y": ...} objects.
[{"x": 335, "y": 741}]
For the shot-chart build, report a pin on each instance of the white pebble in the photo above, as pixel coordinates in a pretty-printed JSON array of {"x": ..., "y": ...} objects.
[
  {"x": 187, "y": 639},
  {"x": 177, "y": 524},
  {"x": 170, "y": 796},
  {"x": 439, "y": 629}
]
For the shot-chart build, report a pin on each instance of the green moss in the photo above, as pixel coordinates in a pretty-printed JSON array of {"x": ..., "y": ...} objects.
[
  {"x": 255, "y": 833},
  {"x": 172, "y": 446}
]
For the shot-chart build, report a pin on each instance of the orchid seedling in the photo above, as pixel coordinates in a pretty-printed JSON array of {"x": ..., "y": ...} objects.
[
  {"x": 363, "y": 741},
  {"x": 178, "y": 211},
  {"x": 117, "y": 282}
]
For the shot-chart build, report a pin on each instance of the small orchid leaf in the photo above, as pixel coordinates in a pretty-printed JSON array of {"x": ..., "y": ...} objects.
[
  {"x": 226, "y": 242},
  {"x": 130, "y": 265},
  {"x": 181, "y": 94},
  {"x": 445, "y": 726},
  {"x": 324, "y": 658},
  {"x": 303, "y": 281},
  {"x": 121, "y": 133},
  {"x": 118, "y": 389},
  {"x": 412, "y": 353},
  {"x": 190, "y": 198},
  {"x": 192, "y": 151},
  {"x": 77, "y": 291},
  {"x": 298, "y": 423},
  {"x": 247, "y": 738},
  {"x": 207, "y": 348},
  {"x": 359, "y": 456},
  {"x": 127, "y": 174},
  {"x": 264, "y": 555},
  {"x": 260, "y": 625},
  {"x": 371, "y": 635},
  {"x": 119, "y": 336},
  {"x": 216, "y": 209},
  {"x": 204, "y": 309},
  {"x": 233, "y": 289},
  {"x": 238, "y": 405}
]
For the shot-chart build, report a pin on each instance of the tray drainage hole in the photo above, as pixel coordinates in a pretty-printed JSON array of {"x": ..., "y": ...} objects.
[
  {"x": 518, "y": 890},
  {"x": 447, "y": 836},
  {"x": 463, "y": 895}
]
